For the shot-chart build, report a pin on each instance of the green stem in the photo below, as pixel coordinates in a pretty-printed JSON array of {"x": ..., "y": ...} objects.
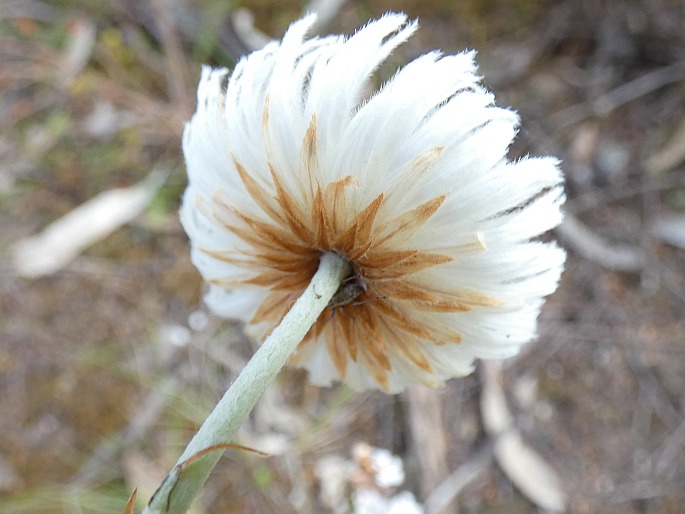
[{"x": 182, "y": 484}]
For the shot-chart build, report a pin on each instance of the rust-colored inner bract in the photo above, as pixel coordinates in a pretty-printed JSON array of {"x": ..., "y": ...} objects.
[{"x": 380, "y": 311}]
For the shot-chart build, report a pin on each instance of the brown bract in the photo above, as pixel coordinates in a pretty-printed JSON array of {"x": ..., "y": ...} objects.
[{"x": 386, "y": 311}]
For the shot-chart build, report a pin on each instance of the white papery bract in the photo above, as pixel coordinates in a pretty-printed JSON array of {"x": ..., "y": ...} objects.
[{"x": 289, "y": 157}]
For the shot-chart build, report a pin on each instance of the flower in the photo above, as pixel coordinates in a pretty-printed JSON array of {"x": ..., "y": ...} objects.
[{"x": 290, "y": 157}]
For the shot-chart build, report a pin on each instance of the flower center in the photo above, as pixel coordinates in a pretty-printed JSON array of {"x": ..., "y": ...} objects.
[{"x": 350, "y": 289}]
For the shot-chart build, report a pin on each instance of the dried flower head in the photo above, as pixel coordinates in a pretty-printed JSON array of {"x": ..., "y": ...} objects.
[{"x": 288, "y": 159}]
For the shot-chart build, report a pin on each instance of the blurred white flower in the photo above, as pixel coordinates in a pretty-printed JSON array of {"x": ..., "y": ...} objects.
[
  {"x": 288, "y": 159},
  {"x": 386, "y": 469},
  {"x": 370, "y": 501}
]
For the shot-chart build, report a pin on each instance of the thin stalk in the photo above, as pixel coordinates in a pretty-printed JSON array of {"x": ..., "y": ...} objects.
[{"x": 182, "y": 484}]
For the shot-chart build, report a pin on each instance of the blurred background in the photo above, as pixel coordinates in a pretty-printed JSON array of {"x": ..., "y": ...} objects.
[{"x": 109, "y": 360}]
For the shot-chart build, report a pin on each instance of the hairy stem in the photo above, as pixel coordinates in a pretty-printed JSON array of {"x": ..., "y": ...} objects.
[{"x": 184, "y": 481}]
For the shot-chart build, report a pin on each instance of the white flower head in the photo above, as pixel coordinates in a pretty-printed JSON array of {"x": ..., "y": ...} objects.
[{"x": 288, "y": 158}]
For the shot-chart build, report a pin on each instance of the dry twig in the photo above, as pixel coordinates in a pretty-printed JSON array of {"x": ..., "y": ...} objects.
[
  {"x": 593, "y": 248},
  {"x": 430, "y": 440},
  {"x": 531, "y": 474},
  {"x": 623, "y": 94},
  {"x": 444, "y": 494},
  {"x": 177, "y": 70}
]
